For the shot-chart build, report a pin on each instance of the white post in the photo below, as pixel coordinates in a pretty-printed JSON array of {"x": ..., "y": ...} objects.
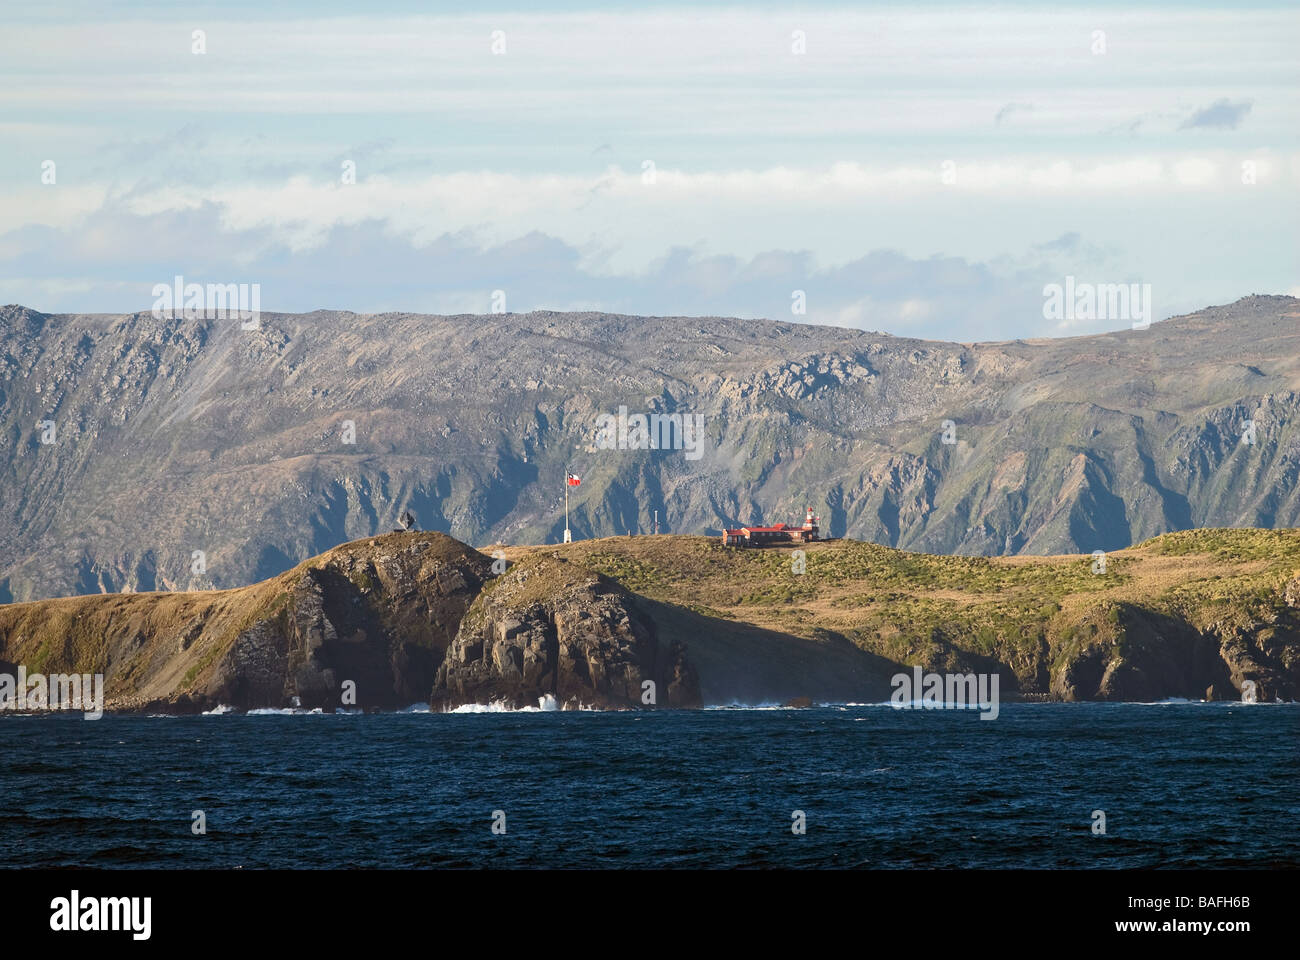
[{"x": 568, "y": 537}]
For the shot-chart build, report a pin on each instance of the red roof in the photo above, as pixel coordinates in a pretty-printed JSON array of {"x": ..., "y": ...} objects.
[{"x": 775, "y": 528}]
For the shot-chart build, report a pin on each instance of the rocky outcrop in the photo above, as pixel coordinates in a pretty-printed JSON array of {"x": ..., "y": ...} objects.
[
  {"x": 368, "y": 627},
  {"x": 551, "y": 628},
  {"x": 1291, "y": 593},
  {"x": 1139, "y": 655},
  {"x": 1266, "y": 654}
]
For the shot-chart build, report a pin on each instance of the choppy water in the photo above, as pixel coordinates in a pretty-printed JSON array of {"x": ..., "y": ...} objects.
[{"x": 1205, "y": 785}]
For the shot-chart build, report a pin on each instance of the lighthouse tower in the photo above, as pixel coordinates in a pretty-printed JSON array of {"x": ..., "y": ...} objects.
[{"x": 809, "y": 526}]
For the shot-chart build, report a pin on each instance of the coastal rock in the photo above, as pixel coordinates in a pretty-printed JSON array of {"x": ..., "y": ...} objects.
[
  {"x": 545, "y": 628},
  {"x": 1131, "y": 654},
  {"x": 370, "y": 622},
  {"x": 1265, "y": 654}
]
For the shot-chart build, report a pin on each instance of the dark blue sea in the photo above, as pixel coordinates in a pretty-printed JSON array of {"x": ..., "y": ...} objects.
[{"x": 1181, "y": 785}]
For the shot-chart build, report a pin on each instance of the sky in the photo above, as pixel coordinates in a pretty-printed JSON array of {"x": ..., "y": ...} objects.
[{"x": 923, "y": 169}]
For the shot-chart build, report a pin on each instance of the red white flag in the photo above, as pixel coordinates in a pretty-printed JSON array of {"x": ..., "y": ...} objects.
[{"x": 573, "y": 480}]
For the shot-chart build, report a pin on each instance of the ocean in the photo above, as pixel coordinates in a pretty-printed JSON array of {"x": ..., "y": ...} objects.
[{"x": 1179, "y": 784}]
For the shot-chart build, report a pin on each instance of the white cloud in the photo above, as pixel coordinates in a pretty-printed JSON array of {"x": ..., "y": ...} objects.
[{"x": 302, "y": 209}]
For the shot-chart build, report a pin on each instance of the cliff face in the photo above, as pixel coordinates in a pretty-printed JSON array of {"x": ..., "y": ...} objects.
[
  {"x": 1146, "y": 656},
  {"x": 550, "y": 627},
  {"x": 261, "y": 448},
  {"x": 378, "y": 619}
]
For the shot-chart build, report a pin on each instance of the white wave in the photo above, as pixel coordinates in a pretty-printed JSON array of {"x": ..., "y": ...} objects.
[
  {"x": 933, "y": 705},
  {"x": 737, "y": 705},
  {"x": 545, "y": 704},
  {"x": 496, "y": 706},
  {"x": 219, "y": 709},
  {"x": 852, "y": 704},
  {"x": 1179, "y": 701},
  {"x": 286, "y": 712}
]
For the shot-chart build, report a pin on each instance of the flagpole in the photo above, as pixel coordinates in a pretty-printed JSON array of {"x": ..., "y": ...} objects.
[{"x": 568, "y": 537}]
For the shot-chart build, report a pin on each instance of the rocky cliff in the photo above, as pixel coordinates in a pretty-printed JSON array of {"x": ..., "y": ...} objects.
[
  {"x": 191, "y": 454},
  {"x": 549, "y": 627}
]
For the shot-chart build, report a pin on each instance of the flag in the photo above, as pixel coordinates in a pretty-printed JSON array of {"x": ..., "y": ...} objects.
[{"x": 573, "y": 480}]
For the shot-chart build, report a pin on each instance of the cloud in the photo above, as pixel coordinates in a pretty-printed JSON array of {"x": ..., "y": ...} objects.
[
  {"x": 873, "y": 246},
  {"x": 1220, "y": 115},
  {"x": 1010, "y": 108},
  {"x": 111, "y": 262},
  {"x": 308, "y": 205},
  {"x": 1066, "y": 242},
  {"x": 723, "y": 76}
]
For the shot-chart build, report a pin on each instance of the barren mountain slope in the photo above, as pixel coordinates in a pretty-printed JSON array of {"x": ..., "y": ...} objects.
[{"x": 179, "y": 436}]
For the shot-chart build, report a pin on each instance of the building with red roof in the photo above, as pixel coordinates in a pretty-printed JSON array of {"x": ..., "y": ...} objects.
[{"x": 777, "y": 533}]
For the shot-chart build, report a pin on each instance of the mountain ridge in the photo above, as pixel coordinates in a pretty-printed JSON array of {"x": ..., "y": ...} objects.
[{"x": 177, "y": 436}]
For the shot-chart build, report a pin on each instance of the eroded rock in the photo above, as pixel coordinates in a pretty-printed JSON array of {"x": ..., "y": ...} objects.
[{"x": 546, "y": 629}]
